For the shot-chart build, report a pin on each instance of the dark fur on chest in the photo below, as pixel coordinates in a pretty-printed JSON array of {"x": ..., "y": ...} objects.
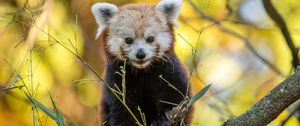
[{"x": 144, "y": 89}]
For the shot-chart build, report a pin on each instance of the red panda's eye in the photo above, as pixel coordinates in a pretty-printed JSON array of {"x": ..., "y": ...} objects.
[
  {"x": 128, "y": 40},
  {"x": 150, "y": 39}
]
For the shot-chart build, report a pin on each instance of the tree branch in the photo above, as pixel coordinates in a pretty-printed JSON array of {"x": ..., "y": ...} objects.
[
  {"x": 277, "y": 18},
  {"x": 268, "y": 108},
  {"x": 282, "y": 96}
]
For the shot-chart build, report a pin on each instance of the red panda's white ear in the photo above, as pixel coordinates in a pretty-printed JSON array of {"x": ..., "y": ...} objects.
[
  {"x": 170, "y": 9},
  {"x": 103, "y": 12}
]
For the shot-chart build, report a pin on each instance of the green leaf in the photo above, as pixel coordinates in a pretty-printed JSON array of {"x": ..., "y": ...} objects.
[
  {"x": 53, "y": 115},
  {"x": 59, "y": 119},
  {"x": 44, "y": 109},
  {"x": 198, "y": 95}
]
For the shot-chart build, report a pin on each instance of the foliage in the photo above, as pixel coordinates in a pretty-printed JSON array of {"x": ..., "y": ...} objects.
[{"x": 48, "y": 46}]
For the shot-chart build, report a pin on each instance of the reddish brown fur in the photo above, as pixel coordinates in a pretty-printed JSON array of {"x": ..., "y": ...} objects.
[{"x": 168, "y": 53}]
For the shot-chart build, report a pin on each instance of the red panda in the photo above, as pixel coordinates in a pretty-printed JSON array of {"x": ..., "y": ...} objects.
[{"x": 142, "y": 35}]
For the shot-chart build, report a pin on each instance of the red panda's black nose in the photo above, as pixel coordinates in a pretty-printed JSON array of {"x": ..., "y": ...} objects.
[{"x": 140, "y": 54}]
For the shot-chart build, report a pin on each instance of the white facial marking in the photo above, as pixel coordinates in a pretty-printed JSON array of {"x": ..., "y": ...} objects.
[
  {"x": 138, "y": 22},
  {"x": 170, "y": 9},
  {"x": 141, "y": 44},
  {"x": 103, "y": 12}
]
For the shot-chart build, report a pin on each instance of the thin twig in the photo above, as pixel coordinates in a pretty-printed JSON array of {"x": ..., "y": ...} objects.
[
  {"x": 86, "y": 65},
  {"x": 237, "y": 35},
  {"x": 277, "y": 18},
  {"x": 10, "y": 88},
  {"x": 171, "y": 85},
  {"x": 229, "y": 9},
  {"x": 290, "y": 115}
]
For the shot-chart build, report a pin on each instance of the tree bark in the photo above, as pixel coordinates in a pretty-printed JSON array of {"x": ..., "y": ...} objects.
[{"x": 268, "y": 108}]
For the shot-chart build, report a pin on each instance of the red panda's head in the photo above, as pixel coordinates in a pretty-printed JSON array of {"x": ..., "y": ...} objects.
[{"x": 138, "y": 33}]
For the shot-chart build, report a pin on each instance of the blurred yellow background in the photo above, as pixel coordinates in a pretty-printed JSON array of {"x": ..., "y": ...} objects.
[{"x": 38, "y": 40}]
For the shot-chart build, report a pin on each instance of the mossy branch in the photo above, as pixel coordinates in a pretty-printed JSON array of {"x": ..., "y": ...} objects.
[
  {"x": 269, "y": 107},
  {"x": 282, "y": 96}
]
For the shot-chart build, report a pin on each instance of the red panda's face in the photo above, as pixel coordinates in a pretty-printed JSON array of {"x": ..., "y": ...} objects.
[{"x": 138, "y": 33}]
